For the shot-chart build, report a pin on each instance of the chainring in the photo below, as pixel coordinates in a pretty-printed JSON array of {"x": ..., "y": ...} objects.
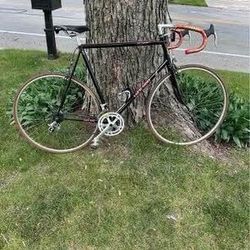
[{"x": 114, "y": 121}]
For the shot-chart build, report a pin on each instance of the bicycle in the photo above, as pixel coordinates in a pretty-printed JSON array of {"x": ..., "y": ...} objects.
[{"x": 58, "y": 113}]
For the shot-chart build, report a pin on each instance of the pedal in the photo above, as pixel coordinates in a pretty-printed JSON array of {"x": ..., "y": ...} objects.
[
  {"x": 94, "y": 146},
  {"x": 95, "y": 143}
]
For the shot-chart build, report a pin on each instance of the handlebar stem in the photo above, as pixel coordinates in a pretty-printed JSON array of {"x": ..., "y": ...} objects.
[{"x": 163, "y": 26}]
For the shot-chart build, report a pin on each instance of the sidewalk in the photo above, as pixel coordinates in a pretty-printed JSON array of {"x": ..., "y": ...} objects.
[{"x": 242, "y": 5}]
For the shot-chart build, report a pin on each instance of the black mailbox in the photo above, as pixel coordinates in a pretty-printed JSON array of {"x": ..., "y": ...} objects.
[{"x": 46, "y": 4}]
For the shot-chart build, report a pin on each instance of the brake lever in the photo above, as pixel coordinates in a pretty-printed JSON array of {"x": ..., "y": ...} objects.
[
  {"x": 184, "y": 33},
  {"x": 211, "y": 31}
]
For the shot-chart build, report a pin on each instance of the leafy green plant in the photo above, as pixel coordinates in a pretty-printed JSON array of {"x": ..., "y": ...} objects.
[
  {"x": 196, "y": 90},
  {"x": 236, "y": 127},
  {"x": 42, "y": 99}
]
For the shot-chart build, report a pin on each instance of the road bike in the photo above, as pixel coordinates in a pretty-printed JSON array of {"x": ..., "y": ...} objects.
[{"x": 59, "y": 113}]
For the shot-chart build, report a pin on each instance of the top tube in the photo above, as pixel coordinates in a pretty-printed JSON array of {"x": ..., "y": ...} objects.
[{"x": 122, "y": 44}]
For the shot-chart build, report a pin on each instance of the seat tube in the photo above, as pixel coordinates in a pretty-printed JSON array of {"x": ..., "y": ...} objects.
[{"x": 92, "y": 75}]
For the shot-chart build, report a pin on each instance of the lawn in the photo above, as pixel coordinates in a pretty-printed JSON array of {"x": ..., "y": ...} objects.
[
  {"x": 189, "y": 2},
  {"x": 239, "y": 82},
  {"x": 131, "y": 193}
]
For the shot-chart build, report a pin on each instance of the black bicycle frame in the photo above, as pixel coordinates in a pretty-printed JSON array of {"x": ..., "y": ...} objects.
[{"x": 81, "y": 51}]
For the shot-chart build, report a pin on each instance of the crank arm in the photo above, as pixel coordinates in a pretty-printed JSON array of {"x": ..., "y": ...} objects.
[{"x": 95, "y": 141}]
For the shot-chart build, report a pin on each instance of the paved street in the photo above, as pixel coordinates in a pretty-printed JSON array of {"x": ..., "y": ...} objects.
[
  {"x": 22, "y": 27},
  {"x": 242, "y": 5}
]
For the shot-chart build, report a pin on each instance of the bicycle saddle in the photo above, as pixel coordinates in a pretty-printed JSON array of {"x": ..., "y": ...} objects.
[{"x": 72, "y": 28}]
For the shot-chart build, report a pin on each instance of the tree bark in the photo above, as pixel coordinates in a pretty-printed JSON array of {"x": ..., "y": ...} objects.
[{"x": 118, "y": 68}]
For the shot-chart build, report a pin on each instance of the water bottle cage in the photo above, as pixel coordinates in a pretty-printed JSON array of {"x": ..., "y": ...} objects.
[{"x": 124, "y": 95}]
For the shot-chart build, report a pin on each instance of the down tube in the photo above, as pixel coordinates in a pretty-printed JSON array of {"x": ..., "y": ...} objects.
[{"x": 145, "y": 84}]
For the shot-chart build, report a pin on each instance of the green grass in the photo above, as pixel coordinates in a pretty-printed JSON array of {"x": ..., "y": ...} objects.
[
  {"x": 239, "y": 82},
  {"x": 131, "y": 193},
  {"x": 189, "y": 2}
]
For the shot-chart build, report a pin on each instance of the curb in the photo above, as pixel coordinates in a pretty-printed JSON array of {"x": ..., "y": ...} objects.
[{"x": 240, "y": 5}]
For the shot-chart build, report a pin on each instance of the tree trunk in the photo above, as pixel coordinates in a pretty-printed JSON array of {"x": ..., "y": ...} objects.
[{"x": 118, "y": 68}]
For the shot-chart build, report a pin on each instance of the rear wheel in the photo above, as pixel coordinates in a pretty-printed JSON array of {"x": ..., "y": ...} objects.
[
  {"x": 36, "y": 113},
  {"x": 196, "y": 114}
]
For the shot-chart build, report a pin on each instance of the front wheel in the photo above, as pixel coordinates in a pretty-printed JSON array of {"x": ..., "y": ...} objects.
[
  {"x": 48, "y": 127},
  {"x": 190, "y": 112}
]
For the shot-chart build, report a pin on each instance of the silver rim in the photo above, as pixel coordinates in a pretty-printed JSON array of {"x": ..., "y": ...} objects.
[
  {"x": 23, "y": 132},
  {"x": 208, "y": 134}
]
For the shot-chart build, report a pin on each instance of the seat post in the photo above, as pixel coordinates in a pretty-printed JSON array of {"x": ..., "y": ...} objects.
[{"x": 78, "y": 39}]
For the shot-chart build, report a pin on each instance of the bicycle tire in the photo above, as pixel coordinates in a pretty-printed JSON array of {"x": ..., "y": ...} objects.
[
  {"x": 194, "y": 117},
  {"x": 36, "y": 104}
]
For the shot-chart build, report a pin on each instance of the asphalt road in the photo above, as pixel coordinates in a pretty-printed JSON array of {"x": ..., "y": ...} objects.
[{"x": 22, "y": 27}]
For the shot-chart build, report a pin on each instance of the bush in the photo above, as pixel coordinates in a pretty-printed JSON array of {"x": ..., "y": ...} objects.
[
  {"x": 236, "y": 127},
  {"x": 42, "y": 99}
]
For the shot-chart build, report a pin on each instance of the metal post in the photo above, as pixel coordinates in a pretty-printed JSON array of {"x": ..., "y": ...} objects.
[{"x": 50, "y": 35}]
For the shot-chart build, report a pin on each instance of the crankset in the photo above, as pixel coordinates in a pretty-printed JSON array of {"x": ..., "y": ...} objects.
[
  {"x": 109, "y": 124},
  {"x": 112, "y": 123}
]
